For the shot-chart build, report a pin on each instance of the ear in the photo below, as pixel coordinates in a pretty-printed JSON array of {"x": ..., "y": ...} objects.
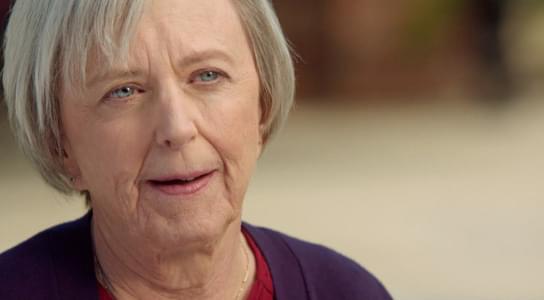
[
  {"x": 262, "y": 139},
  {"x": 71, "y": 167},
  {"x": 263, "y": 130}
]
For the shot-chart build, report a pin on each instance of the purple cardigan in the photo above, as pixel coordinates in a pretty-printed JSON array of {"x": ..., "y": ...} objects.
[{"x": 58, "y": 264}]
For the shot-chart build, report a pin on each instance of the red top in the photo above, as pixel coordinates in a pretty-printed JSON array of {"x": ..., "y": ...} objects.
[{"x": 262, "y": 288}]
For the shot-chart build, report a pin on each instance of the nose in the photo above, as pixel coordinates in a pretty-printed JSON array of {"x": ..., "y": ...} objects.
[{"x": 176, "y": 118}]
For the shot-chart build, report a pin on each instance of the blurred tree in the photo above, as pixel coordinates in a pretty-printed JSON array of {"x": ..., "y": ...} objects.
[
  {"x": 427, "y": 21},
  {"x": 482, "y": 20}
]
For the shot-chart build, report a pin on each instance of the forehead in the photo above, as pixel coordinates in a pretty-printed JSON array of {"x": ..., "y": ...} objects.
[
  {"x": 189, "y": 17},
  {"x": 179, "y": 28},
  {"x": 183, "y": 27}
]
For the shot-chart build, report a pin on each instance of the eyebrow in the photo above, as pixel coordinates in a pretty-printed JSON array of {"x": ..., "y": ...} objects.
[
  {"x": 192, "y": 58},
  {"x": 199, "y": 56},
  {"x": 113, "y": 74}
]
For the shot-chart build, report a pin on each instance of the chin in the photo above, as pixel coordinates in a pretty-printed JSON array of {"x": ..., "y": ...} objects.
[{"x": 199, "y": 227}]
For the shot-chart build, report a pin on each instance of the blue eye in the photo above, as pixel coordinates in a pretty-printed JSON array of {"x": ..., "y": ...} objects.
[
  {"x": 122, "y": 92},
  {"x": 208, "y": 76}
]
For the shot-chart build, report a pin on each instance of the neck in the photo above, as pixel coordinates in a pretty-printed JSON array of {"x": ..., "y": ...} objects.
[{"x": 217, "y": 270}]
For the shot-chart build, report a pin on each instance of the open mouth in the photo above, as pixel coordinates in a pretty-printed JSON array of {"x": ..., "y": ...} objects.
[
  {"x": 177, "y": 181},
  {"x": 182, "y": 185}
]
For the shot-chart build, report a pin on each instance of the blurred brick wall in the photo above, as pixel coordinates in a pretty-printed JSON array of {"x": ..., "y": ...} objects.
[
  {"x": 4, "y": 7},
  {"x": 363, "y": 49}
]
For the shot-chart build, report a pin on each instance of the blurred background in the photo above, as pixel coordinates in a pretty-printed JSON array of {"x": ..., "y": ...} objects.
[{"x": 415, "y": 146}]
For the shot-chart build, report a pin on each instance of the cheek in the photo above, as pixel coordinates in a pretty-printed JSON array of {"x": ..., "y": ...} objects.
[
  {"x": 110, "y": 157},
  {"x": 237, "y": 139},
  {"x": 236, "y": 124}
]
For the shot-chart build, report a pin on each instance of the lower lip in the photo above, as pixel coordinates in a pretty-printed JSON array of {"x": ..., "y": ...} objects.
[{"x": 184, "y": 189}]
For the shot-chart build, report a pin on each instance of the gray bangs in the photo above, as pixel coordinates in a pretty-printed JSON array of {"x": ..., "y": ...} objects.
[
  {"x": 49, "y": 43},
  {"x": 104, "y": 35}
]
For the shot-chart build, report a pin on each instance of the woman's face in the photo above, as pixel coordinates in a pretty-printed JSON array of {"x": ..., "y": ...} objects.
[{"x": 166, "y": 147}]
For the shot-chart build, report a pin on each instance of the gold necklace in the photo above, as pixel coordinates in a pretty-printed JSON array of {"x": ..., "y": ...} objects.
[
  {"x": 106, "y": 283},
  {"x": 101, "y": 277},
  {"x": 99, "y": 273},
  {"x": 246, "y": 275}
]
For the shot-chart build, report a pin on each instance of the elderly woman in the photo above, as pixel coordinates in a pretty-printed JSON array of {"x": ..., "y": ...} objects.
[{"x": 157, "y": 112}]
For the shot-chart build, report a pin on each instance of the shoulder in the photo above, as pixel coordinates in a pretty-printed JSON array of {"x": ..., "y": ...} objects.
[
  {"x": 31, "y": 269},
  {"x": 327, "y": 273},
  {"x": 26, "y": 267}
]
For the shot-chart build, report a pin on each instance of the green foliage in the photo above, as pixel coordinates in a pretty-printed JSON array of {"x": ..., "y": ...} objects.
[{"x": 428, "y": 19}]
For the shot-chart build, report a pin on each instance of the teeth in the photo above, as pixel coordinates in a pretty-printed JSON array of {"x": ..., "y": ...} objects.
[{"x": 178, "y": 180}]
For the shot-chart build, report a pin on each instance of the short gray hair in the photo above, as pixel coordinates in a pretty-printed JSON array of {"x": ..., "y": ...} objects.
[{"x": 47, "y": 43}]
